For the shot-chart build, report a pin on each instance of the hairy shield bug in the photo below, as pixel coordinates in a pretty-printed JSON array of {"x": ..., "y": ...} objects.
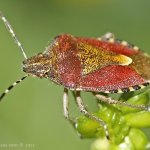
[{"x": 95, "y": 65}]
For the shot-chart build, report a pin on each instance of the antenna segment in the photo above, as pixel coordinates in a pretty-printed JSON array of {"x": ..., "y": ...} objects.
[{"x": 10, "y": 29}]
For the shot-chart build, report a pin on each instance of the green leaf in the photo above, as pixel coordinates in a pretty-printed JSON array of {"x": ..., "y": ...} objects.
[
  {"x": 138, "y": 138},
  {"x": 88, "y": 128},
  {"x": 140, "y": 119}
]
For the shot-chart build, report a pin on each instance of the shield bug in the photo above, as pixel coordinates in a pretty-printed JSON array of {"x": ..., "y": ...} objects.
[{"x": 93, "y": 65}]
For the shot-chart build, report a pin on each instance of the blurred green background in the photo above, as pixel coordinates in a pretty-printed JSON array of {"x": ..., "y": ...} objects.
[{"x": 32, "y": 112}]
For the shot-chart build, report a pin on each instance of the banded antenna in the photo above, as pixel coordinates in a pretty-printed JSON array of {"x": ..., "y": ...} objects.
[
  {"x": 12, "y": 86},
  {"x": 10, "y": 29}
]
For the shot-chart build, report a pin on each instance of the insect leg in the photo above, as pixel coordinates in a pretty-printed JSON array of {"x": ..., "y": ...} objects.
[
  {"x": 12, "y": 86},
  {"x": 109, "y": 100},
  {"x": 83, "y": 110},
  {"x": 10, "y": 29},
  {"x": 66, "y": 107}
]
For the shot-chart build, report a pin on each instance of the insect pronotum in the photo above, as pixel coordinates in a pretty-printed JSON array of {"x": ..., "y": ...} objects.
[{"x": 95, "y": 65}]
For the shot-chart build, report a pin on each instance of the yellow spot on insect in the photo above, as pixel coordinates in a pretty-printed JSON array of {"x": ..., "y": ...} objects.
[
  {"x": 124, "y": 43},
  {"x": 119, "y": 91},
  {"x": 111, "y": 40},
  {"x": 99, "y": 38},
  {"x": 136, "y": 48},
  {"x": 131, "y": 89},
  {"x": 142, "y": 86},
  {"x": 123, "y": 60}
]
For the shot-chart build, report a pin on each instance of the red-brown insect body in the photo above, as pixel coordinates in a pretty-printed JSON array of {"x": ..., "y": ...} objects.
[
  {"x": 90, "y": 64},
  {"x": 100, "y": 65}
]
